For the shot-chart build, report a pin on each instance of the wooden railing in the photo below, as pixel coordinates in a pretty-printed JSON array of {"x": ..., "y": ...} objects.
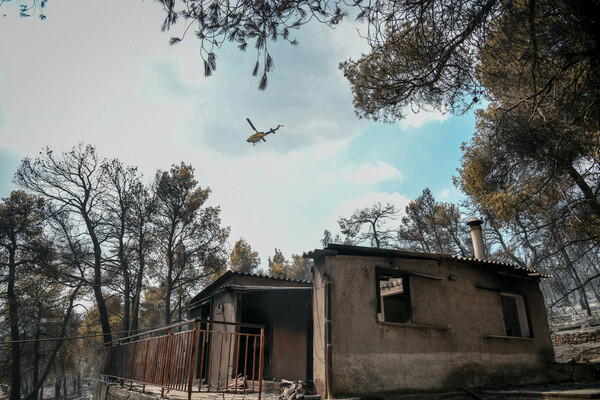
[{"x": 191, "y": 356}]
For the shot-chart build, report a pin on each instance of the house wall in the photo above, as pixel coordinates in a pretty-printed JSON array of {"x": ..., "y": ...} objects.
[
  {"x": 224, "y": 308},
  {"x": 319, "y": 348},
  {"x": 457, "y": 335}
]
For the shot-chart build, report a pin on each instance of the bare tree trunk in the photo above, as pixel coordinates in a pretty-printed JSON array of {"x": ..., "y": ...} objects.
[
  {"x": 57, "y": 388},
  {"x": 13, "y": 311},
  {"x": 126, "y": 297},
  {"x": 78, "y": 384},
  {"x": 585, "y": 304},
  {"x": 126, "y": 280},
  {"x": 100, "y": 303},
  {"x": 170, "y": 264},
  {"x": 138, "y": 283},
  {"x": 180, "y": 309},
  {"x": 36, "y": 361}
]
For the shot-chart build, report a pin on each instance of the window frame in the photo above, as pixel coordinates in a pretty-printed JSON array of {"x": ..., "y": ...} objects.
[
  {"x": 522, "y": 314},
  {"x": 393, "y": 273}
]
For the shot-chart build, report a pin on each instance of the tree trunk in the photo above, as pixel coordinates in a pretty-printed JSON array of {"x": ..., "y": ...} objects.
[
  {"x": 126, "y": 297},
  {"x": 168, "y": 304},
  {"x": 170, "y": 263},
  {"x": 57, "y": 388},
  {"x": 100, "y": 303},
  {"x": 36, "y": 361},
  {"x": 78, "y": 384},
  {"x": 139, "y": 284},
  {"x": 13, "y": 311},
  {"x": 584, "y": 302},
  {"x": 25, "y": 385},
  {"x": 126, "y": 283},
  {"x": 180, "y": 309}
]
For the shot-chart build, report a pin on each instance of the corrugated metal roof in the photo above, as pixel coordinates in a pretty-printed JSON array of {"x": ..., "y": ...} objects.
[
  {"x": 495, "y": 266},
  {"x": 229, "y": 274},
  {"x": 264, "y": 276}
]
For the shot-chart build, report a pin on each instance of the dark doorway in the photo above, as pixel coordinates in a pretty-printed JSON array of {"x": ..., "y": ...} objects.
[
  {"x": 256, "y": 316},
  {"x": 203, "y": 340},
  {"x": 287, "y": 317}
]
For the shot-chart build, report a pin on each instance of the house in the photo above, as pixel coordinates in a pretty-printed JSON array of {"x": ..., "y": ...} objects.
[
  {"x": 382, "y": 321},
  {"x": 282, "y": 306},
  {"x": 392, "y": 321}
]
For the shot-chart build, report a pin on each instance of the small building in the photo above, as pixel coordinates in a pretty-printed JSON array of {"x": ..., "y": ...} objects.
[
  {"x": 282, "y": 306},
  {"x": 384, "y": 321},
  {"x": 393, "y": 321}
]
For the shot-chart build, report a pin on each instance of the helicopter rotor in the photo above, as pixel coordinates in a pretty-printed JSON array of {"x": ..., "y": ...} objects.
[{"x": 250, "y": 122}]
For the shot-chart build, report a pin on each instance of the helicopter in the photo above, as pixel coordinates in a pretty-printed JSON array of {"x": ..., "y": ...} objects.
[{"x": 258, "y": 136}]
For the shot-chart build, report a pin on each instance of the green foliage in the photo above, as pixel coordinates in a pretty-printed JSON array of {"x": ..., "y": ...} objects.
[
  {"x": 152, "y": 306},
  {"x": 189, "y": 235},
  {"x": 298, "y": 269},
  {"x": 434, "y": 227},
  {"x": 21, "y": 228},
  {"x": 242, "y": 258},
  {"x": 278, "y": 265},
  {"x": 532, "y": 166},
  {"x": 449, "y": 54},
  {"x": 301, "y": 268}
]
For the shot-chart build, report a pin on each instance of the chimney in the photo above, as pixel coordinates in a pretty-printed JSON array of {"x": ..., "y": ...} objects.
[{"x": 477, "y": 238}]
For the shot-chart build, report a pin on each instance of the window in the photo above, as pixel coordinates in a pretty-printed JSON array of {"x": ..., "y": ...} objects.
[
  {"x": 393, "y": 296},
  {"x": 514, "y": 314}
]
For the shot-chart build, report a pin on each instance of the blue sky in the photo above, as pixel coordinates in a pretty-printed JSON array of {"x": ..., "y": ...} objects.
[{"x": 101, "y": 72}]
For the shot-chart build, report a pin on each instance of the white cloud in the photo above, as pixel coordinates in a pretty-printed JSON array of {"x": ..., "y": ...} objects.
[
  {"x": 368, "y": 200},
  {"x": 372, "y": 173},
  {"x": 415, "y": 120},
  {"x": 346, "y": 41},
  {"x": 445, "y": 193}
]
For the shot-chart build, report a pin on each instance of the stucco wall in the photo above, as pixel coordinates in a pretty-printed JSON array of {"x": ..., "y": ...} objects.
[
  {"x": 224, "y": 308},
  {"x": 319, "y": 330},
  {"x": 456, "y": 336}
]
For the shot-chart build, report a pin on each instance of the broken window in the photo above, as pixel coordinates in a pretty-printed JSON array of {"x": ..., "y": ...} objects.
[
  {"x": 393, "y": 296},
  {"x": 514, "y": 314}
]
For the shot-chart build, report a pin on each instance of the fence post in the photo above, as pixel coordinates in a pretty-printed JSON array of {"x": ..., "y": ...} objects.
[
  {"x": 134, "y": 344},
  {"x": 220, "y": 359},
  {"x": 201, "y": 376},
  {"x": 192, "y": 360},
  {"x": 146, "y": 363},
  {"x": 167, "y": 359},
  {"x": 260, "y": 363}
]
